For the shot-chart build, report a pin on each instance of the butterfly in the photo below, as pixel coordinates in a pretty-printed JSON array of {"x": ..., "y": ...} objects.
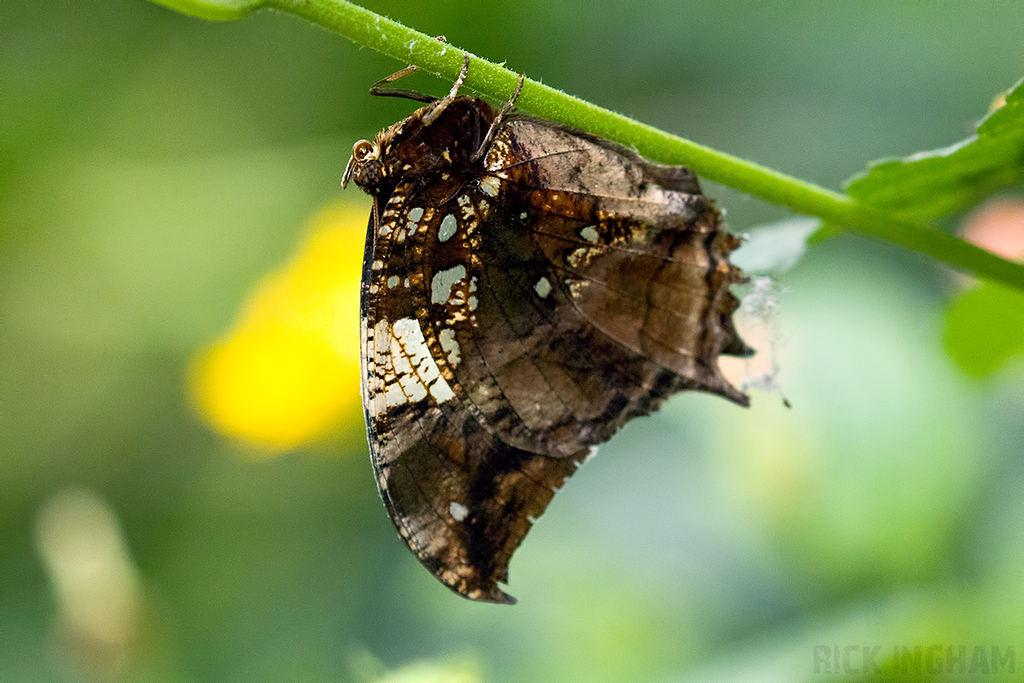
[{"x": 527, "y": 289}]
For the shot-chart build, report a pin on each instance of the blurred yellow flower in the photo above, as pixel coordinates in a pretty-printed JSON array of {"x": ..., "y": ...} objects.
[{"x": 287, "y": 372}]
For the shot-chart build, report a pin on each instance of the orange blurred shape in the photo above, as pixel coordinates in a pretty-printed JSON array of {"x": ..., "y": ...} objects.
[
  {"x": 997, "y": 225},
  {"x": 287, "y": 372}
]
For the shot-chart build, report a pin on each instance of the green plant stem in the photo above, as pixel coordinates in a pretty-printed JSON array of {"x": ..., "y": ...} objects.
[{"x": 491, "y": 80}]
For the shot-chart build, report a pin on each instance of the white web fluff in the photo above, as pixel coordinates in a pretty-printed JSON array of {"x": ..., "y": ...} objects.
[{"x": 762, "y": 304}]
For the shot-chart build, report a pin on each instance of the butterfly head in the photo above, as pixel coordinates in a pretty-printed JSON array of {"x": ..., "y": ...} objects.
[
  {"x": 424, "y": 144},
  {"x": 365, "y": 166}
]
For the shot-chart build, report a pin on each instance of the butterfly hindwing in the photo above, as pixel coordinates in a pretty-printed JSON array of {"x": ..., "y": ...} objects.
[{"x": 644, "y": 262}]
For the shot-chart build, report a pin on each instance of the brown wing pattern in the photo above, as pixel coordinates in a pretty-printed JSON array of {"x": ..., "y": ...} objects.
[
  {"x": 460, "y": 495},
  {"x": 517, "y": 310},
  {"x": 636, "y": 247}
]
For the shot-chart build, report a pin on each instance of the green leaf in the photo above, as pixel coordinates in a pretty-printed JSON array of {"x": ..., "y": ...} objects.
[
  {"x": 214, "y": 10},
  {"x": 928, "y": 185},
  {"x": 826, "y": 232},
  {"x": 985, "y": 328}
]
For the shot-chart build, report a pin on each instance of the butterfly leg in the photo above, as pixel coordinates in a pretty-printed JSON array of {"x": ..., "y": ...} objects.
[
  {"x": 498, "y": 120},
  {"x": 442, "y": 104}
]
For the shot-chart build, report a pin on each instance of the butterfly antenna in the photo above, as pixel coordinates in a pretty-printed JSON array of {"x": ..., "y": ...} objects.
[{"x": 379, "y": 90}]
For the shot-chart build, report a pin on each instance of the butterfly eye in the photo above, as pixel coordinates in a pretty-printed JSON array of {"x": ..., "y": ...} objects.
[{"x": 363, "y": 150}]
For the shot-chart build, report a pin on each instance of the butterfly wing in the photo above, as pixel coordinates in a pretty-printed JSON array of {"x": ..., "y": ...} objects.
[
  {"x": 636, "y": 246},
  {"x": 461, "y": 496},
  {"x": 513, "y": 319}
]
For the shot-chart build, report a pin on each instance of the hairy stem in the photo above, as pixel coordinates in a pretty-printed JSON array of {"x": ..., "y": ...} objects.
[{"x": 491, "y": 80}]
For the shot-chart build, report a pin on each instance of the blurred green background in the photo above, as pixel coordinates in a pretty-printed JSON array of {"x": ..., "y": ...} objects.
[{"x": 154, "y": 167}]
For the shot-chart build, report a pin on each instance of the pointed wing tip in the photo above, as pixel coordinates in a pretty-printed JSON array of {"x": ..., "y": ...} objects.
[
  {"x": 739, "y": 398},
  {"x": 720, "y": 386},
  {"x": 737, "y": 348},
  {"x": 492, "y": 594},
  {"x": 500, "y": 597}
]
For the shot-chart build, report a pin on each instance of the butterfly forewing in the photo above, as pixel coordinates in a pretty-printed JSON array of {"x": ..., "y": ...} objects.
[{"x": 460, "y": 495}]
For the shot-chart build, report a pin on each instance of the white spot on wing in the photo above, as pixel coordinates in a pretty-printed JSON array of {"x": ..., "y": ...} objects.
[
  {"x": 415, "y": 370},
  {"x": 393, "y": 395},
  {"x": 589, "y": 233},
  {"x": 393, "y": 281},
  {"x": 441, "y": 284},
  {"x": 377, "y": 352},
  {"x": 408, "y": 350},
  {"x": 415, "y": 214},
  {"x": 490, "y": 186},
  {"x": 458, "y": 511},
  {"x": 440, "y": 390},
  {"x": 450, "y": 346},
  {"x": 447, "y": 228},
  {"x": 543, "y": 287}
]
